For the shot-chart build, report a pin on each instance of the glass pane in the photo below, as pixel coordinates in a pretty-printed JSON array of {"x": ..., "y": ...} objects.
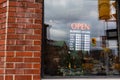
[{"x": 81, "y": 38}]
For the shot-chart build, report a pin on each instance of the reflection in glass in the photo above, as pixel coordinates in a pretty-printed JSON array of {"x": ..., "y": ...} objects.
[{"x": 77, "y": 42}]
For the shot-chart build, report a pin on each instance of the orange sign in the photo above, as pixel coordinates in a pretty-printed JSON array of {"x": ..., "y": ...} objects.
[{"x": 81, "y": 26}]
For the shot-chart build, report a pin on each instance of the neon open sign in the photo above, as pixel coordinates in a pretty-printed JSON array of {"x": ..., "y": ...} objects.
[{"x": 80, "y": 26}]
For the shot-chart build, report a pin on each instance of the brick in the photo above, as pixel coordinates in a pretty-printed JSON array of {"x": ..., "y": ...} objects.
[
  {"x": 24, "y": 42},
  {"x": 37, "y": 10},
  {"x": 21, "y": 25},
  {"x": 1, "y": 71},
  {"x": 17, "y": 25},
  {"x": 9, "y": 65},
  {"x": 11, "y": 42},
  {"x": 2, "y": 31},
  {"x": 12, "y": 25},
  {"x": 30, "y": 0},
  {"x": 12, "y": 14},
  {"x": 36, "y": 66},
  {"x": 23, "y": 65},
  {"x": 12, "y": 9},
  {"x": 19, "y": 71},
  {"x": 24, "y": 31},
  {"x": 2, "y": 47},
  {"x": 30, "y": 15},
  {"x": 20, "y": 9},
  {"x": 32, "y": 48},
  {"x": 2, "y": 37},
  {"x": 15, "y": 36},
  {"x": 2, "y": 26},
  {"x": 33, "y": 26},
  {"x": 11, "y": 48},
  {"x": 38, "y": 21},
  {"x": 3, "y": 10},
  {"x": 2, "y": 21},
  {"x": 32, "y": 60},
  {"x": 24, "y": 54},
  {"x": 13, "y": 3},
  {"x": 2, "y": 64},
  {"x": 2, "y": 54},
  {"x": 24, "y": 20},
  {"x": 3, "y": 15},
  {"x": 33, "y": 5},
  {"x": 38, "y": 16},
  {"x": 9, "y": 77},
  {"x": 2, "y": 59},
  {"x": 30, "y": 10},
  {"x": 12, "y": 0},
  {"x": 1, "y": 1},
  {"x": 2, "y": 42},
  {"x": 27, "y": 10},
  {"x": 33, "y": 15},
  {"x": 10, "y": 54},
  {"x": 20, "y": 15},
  {"x": 27, "y": 0},
  {"x": 31, "y": 71},
  {"x": 10, "y": 71},
  {"x": 11, "y": 20},
  {"x": 1, "y": 77},
  {"x": 37, "y": 42},
  {"x": 17, "y": 4},
  {"x": 35, "y": 37},
  {"x": 38, "y": 31},
  {"x": 21, "y": 4},
  {"x": 11, "y": 30},
  {"x": 12, "y": 59},
  {"x": 36, "y": 77},
  {"x": 19, "y": 20},
  {"x": 23, "y": 77},
  {"x": 37, "y": 54},
  {"x": 15, "y": 48}
]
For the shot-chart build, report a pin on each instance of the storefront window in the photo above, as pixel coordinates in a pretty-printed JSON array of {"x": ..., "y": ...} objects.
[{"x": 81, "y": 38}]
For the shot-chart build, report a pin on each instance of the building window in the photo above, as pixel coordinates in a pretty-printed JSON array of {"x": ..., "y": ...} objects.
[{"x": 80, "y": 38}]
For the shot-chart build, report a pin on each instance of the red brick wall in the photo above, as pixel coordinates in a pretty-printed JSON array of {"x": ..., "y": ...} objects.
[
  {"x": 3, "y": 9},
  {"x": 20, "y": 39}
]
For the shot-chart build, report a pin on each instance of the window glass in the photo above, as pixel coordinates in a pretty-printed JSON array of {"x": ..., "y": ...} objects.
[{"x": 81, "y": 38}]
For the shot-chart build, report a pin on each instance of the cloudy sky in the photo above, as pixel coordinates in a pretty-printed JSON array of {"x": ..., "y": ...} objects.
[{"x": 61, "y": 13}]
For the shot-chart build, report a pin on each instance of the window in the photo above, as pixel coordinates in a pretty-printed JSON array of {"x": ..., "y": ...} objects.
[{"x": 81, "y": 38}]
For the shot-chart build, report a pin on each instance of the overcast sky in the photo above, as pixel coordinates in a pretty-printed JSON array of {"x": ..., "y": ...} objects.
[{"x": 61, "y": 13}]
